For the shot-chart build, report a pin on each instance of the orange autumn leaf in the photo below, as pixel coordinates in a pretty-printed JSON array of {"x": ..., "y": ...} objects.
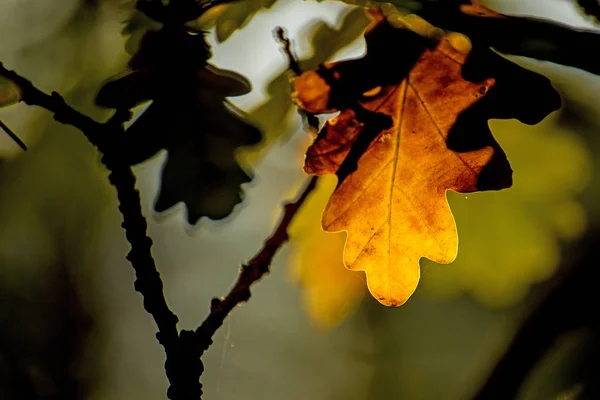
[
  {"x": 390, "y": 148},
  {"x": 394, "y": 205}
]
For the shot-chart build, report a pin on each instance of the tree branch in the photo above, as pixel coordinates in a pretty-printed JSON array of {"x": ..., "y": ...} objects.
[
  {"x": 250, "y": 272},
  {"x": 54, "y": 103},
  {"x": 106, "y": 137},
  {"x": 183, "y": 351}
]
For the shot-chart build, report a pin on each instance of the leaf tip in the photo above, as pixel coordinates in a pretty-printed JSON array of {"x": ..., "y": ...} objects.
[
  {"x": 393, "y": 291},
  {"x": 393, "y": 300}
]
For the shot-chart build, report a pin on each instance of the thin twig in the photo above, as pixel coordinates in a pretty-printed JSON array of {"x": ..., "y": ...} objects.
[
  {"x": 250, "y": 272},
  {"x": 286, "y": 46},
  {"x": 106, "y": 137},
  {"x": 12, "y": 135},
  {"x": 309, "y": 120},
  {"x": 54, "y": 103}
]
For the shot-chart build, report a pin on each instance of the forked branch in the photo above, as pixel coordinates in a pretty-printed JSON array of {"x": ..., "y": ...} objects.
[{"x": 250, "y": 273}]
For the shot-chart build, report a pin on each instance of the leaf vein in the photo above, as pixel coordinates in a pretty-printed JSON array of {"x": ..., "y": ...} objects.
[
  {"x": 341, "y": 214},
  {"x": 439, "y": 131}
]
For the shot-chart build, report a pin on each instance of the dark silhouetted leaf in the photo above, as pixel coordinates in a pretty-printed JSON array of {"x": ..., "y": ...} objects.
[
  {"x": 521, "y": 36},
  {"x": 590, "y": 7},
  {"x": 190, "y": 117},
  {"x": 136, "y": 25}
]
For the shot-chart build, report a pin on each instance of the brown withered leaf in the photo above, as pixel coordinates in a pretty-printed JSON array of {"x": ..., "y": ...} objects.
[{"x": 407, "y": 132}]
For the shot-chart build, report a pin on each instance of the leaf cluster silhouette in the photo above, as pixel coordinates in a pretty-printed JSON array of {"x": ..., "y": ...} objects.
[{"x": 189, "y": 117}]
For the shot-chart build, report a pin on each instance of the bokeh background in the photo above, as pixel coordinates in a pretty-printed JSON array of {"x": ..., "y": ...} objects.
[{"x": 72, "y": 327}]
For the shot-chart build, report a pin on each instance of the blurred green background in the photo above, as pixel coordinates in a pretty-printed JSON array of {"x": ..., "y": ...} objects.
[{"x": 72, "y": 327}]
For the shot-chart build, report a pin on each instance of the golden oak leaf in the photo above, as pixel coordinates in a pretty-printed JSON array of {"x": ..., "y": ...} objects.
[
  {"x": 394, "y": 205},
  {"x": 390, "y": 147}
]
